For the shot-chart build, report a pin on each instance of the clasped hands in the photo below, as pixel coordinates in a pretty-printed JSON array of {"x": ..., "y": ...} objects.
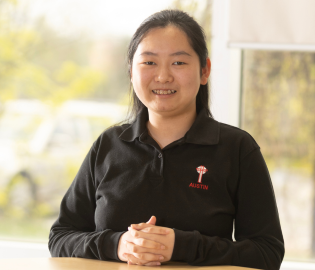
[{"x": 146, "y": 244}]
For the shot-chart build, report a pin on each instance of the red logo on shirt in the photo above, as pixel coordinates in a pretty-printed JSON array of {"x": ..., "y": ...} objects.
[{"x": 201, "y": 170}]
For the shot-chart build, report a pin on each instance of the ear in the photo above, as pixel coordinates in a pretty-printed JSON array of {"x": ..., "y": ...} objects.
[{"x": 205, "y": 72}]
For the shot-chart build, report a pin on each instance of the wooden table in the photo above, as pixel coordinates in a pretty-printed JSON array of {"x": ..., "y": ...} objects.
[{"x": 85, "y": 264}]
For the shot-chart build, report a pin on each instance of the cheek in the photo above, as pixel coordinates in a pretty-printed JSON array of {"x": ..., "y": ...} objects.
[
  {"x": 190, "y": 79},
  {"x": 141, "y": 76},
  {"x": 141, "y": 79}
]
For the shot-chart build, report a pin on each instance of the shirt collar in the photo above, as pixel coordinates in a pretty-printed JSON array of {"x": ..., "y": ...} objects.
[{"x": 205, "y": 130}]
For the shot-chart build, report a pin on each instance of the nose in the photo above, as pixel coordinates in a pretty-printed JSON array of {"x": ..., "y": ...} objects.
[{"x": 164, "y": 75}]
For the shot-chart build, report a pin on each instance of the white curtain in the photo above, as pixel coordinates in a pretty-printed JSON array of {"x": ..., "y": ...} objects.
[{"x": 290, "y": 22}]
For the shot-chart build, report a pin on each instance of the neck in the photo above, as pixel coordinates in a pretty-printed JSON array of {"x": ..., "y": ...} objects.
[{"x": 165, "y": 129}]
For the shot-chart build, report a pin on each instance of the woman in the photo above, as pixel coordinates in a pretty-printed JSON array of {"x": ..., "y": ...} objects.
[{"x": 174, "y": 161}]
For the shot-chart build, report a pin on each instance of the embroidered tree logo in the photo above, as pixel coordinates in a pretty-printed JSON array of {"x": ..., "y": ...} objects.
[{"x": 201, "y": 170}]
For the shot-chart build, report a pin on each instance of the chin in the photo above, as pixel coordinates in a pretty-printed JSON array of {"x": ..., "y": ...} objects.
[{"x": 164, "y": 110}]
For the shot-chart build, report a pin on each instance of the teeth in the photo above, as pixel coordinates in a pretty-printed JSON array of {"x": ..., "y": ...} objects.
[{"x": 164, "y": 92}]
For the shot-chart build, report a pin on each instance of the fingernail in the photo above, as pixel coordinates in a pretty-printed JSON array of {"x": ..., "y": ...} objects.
[
  {"x": 161, "y": 257},
  {"x": 158, "y": 263},
  {"x": 129, "y": 228},
  {"x": 162, "y": 247}
]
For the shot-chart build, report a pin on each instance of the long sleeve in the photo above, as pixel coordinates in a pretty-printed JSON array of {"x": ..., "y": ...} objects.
[
  {"x": 74, "y": 233},
  {"x": 259, "y": 241}
]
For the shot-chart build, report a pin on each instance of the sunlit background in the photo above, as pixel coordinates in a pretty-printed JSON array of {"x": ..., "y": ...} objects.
[{"x": 63, "y": 80}]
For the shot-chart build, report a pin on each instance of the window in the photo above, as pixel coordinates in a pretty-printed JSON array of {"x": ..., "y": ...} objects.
[
  {"x": 63, "y": 80},
  {"x": 278, "y": 110}
]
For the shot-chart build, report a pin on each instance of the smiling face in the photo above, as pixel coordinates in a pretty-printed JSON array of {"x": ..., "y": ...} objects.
[{"x": 166, "y": 71}]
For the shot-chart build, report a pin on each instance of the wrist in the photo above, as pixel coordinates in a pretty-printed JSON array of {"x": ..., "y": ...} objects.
[
  {"x": 183, "y": 244},
  {"x": 120, "y": 249}
]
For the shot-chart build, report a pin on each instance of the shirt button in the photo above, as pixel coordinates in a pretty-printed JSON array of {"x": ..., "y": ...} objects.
[{"x": 160, "y": 155}]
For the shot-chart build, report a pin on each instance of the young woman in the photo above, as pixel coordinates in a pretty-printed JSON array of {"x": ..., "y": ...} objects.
[{"x": 195, "y": 177}]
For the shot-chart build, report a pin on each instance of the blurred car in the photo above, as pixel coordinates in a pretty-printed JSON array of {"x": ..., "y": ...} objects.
[{"x": 41, "y": 149}]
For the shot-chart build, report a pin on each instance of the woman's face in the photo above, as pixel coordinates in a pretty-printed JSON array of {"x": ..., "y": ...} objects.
[{"x": 164, "y": 62}]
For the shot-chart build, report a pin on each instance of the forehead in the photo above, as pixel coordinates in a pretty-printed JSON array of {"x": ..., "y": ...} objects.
[{"x": 167, "y": 39}]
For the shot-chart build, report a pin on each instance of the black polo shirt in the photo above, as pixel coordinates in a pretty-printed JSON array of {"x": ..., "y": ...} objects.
[{"x": 199, "y": 185}]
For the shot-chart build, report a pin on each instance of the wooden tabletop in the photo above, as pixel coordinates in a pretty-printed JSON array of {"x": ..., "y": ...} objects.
[{"x": 85, "y": 264}]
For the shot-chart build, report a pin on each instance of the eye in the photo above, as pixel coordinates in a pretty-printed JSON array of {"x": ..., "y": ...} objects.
[
  {"x": 150, "y": 63},
  {"x": 178, "y": 63}
]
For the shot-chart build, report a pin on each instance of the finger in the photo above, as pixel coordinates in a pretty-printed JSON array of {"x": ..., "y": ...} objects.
[
  {"x": 135, "y": 233},
  {"x": 150, "y": 229},
  {"x": 146, "y": 264},
  {"x": 149, "y": 236},
  {"x": 125, "y": 255},
  {"x": 148, "y": 257},
  {"x": 156, "y": 230},
  {"x": 152, "y": 220},
  {"x": 133, "y": 260},
  {"x": 143, "y": 245},
  {"x": 146, "y": 243},
  {"x": 134, "y": 248},
  {"x": 152, "y": 264},
  {"x": 141, "y": 226}
]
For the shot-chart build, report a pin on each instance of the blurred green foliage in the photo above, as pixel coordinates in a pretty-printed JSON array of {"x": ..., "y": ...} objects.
[
  {"x": 278, "y": 110},
  {"x": 279, "y": 106},
  {"x": 25, "y": 228},
  {"x": 36, "y": 62}
]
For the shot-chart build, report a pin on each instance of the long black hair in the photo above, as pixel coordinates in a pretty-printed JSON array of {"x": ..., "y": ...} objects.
[{"x": 197, "y": 40}]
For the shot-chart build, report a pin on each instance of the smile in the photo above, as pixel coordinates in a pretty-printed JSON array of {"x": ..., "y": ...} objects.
[{"x": 164, "y": 92}]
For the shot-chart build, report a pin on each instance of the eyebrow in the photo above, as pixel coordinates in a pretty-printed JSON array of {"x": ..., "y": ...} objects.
[
  {"x": 181, "y": 53},
  {"x": 173, "y": 54}
]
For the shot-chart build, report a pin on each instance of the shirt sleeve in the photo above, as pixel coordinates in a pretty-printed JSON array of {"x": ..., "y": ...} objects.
[
  {"x": 74, "y": 232},
  {"x": 259, "y": 241}
]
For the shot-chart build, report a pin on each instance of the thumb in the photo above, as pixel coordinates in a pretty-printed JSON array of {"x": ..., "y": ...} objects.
[{"x": 152, "y": 220}]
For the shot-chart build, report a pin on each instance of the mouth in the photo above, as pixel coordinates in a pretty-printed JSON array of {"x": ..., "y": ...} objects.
[{"x": 164, "y": 92}]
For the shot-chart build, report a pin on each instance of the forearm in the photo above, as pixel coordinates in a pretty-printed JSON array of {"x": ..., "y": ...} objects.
[
  {"x": 67, "y": 242},
  {"x": 74, "y": 233},
  {"x": 197, "y": 249}
]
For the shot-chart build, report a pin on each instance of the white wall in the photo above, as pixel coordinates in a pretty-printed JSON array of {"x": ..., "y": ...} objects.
[
  {"x": 226, "y": 68},
  {"x": 226, "y": 83},
  {"x": 13, "y": 249}
]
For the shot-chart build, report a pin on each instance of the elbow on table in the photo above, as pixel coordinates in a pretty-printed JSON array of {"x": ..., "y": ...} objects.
[
  {"x": 54, "y": 244},
  {"x": 273, "y": 253}
]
